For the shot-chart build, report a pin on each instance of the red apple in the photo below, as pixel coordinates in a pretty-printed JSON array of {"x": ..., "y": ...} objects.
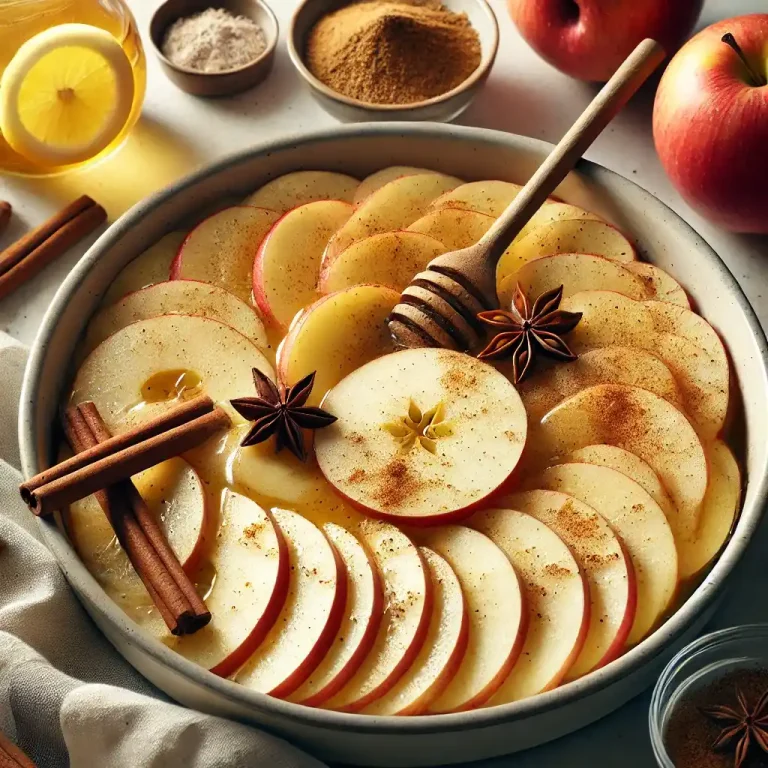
[
  {"x": 710, "y": 122},
  {"x": 588, "y": 39}
]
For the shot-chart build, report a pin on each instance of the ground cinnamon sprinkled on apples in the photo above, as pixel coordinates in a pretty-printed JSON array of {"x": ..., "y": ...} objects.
[
  {"x": 357, "y": 476},
  {"x": 396, "y": 483},
  {"x": 557, "y": 571}
]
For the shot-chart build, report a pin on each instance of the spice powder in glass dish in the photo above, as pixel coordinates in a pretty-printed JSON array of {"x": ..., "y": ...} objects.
[
  {"x": 213, "y": 40},
  {"x": 393, "y": 51}
]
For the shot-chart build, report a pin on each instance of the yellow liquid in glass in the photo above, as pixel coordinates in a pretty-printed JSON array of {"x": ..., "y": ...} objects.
[{"x": 21, "y": 20}]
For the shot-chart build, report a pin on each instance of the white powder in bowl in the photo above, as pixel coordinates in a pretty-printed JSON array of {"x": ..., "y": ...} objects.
[{"x": 213, "y": 41}]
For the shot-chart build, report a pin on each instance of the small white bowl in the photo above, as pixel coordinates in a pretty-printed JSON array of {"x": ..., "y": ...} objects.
[{"x": 443, "y": 108}]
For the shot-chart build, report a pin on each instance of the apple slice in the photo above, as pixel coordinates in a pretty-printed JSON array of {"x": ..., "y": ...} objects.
[
  {"x": 718, "y": 512},
  {"x": 454, "y": 228},
  {"x": 640, "y": 422},
  {"x": 177, "y": 297},
  {"x": 249, "y": 562},
  {"x": 556, "y": 599},
  {"x": 218, "y": 359},
  {"x": 311, "y": 615},
  {"x": 288, "y": 260},
  {"x": 393, "y": 206},
  {"x": 221, "y": 249},
  {"x": 423, "y": 435},
  {"x": 660, "y": 285},
  {"x": 390, "y": 259},
  {"x": 555, "y": 211},
  {"x": 490, "y": 197},
  {"x": 641, "y": 524},
  {"x": 671, "y": 318},
  {"x": 378, "y": 179},
  {"x": 150, "y": 267},
  {"x": 552, "y": 384},
  {"x": 336, "y": 335},
  {"x": 174, "y": 494},
  {"x": 442, "y": 652},
  {"x": 575, "y": 272},
  {"x": 300, "y": 187},
  {"x": 404, "y": 625},
  {"x": 362, "y": 616},
  {"x": 605, "y": 563},
  {"x": 565, "y": 236},
  {"x": 495, "y": 607}
]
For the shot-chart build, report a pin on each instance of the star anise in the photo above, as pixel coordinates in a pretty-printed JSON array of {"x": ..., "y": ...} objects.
[
  {"x": 281, "y": 412},
  {"x": 743, "y": 725},
  {"x": 524, "y": 329}
]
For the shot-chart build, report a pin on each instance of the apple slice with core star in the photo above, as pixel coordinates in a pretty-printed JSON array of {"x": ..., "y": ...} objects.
[
  {"x": 641, "y": 423},
  {"x": 336, "y": 335},
  {"x": 496, "y": 609},
  {"x": 556, "y": 598},
  {"x": 490, "y": 197},
  {"x": 174, "y": 494},
  {"x": 393, "y": 206},
  {"x": 454, "y": 228},
  {"x": 378, "y": 179},
  {"x": 301, "y": 187},
  {"x": 442, "y": 652},
  {"x": 249, "y": 563},
  {"x": 606, "y": 566},
  {"x": 660, "y": 285},
  {"x": 390, "y": 259},
  {"x": 640, "y": 523},
  {"x": 359, "y": 626},
  {"x": 408, "y": 607},
  {"x": 177, "y": 297},
  {"x": 422, "y": 436},
  {"x": 552, "y": 384},
  {"x": 288, "y": 260},
  {"x": 221, "y": 249},
  {"x": 150, "y": 267},
  {"x": 311, "y": 615}
]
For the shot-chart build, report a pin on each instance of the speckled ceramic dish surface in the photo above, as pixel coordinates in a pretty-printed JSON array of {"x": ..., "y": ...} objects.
[{"x": 471, "y": 153}]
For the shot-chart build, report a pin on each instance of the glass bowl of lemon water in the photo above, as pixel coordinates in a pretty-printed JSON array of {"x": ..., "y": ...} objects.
[{"x": 72, "y": 81}]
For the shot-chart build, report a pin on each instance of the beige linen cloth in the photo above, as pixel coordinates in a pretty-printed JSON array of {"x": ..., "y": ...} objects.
[{"x": 66, "y": 697}]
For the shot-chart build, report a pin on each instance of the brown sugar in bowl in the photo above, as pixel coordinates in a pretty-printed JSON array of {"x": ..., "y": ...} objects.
[
  {"x": 442, "y": 108},
  {"x": 212, "y": 84}
]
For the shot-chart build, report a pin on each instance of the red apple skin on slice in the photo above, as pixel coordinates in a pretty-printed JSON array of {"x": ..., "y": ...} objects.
[
  {"x": 367, "y": 456},
  {"x": 221, "y": 250},
  {"x": 336, "y": 335},
  {"x": 390, "y": 259},
  {"x": 606, "y": 565},
  {"x": 497, "y": 615},
  {"x": 377, "y": 180},
  {"x": 452, "y": 227},
  {"x": 311, "y": 614},
  {"x": 660, "y": 285},
  {"x": 288, "y": 260},
  {"x": 177, "y": 297},
  {"x": 408, "y": 600},
  {"x": 301, "y": 187},
  {"x": 640, "y": 523},
  {"x": 174, "y": 494},
  {"x": 150, "y": 267},
  {"x": 638, "y": 421},
  {"x": 250, "y": 561},
  {"x": 489, "y": 197},
  {"x": 443, "y": 650},
  {"x": 556, "y": 597},
  {"x": 360, "y": 624}
]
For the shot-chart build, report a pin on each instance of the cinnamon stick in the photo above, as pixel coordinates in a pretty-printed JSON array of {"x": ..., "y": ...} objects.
[
  {"x": 139, "y": 534},
  {"x": 111, "y": 468},
  {"x": 11, "y": 756},
  {"x": 27, "y": 256},
  {"x": 169, "y": 419},
  {"x": 5, "y": 215}
]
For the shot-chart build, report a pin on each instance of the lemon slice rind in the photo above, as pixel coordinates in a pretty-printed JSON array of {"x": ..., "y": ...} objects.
[{"x": 29, "y": 54}]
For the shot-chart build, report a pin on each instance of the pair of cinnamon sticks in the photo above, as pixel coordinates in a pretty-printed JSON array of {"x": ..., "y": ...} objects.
[
  {"x": 26, "y": 257},
  {"x": 11, "y": 756},
  {"x": 103, "y": 465}
]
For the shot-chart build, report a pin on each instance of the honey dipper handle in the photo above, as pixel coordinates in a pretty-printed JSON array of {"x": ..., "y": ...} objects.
[{"x": 604, "y": 107}]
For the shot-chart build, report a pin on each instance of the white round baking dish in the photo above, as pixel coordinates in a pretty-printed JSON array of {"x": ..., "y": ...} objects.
[{"x": 470, "y": 153}]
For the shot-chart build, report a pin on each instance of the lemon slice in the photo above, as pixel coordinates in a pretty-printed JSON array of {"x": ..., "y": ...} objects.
[{"x": 66, "y": 94}]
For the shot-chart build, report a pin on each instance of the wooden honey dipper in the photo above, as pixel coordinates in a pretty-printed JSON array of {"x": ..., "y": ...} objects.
[{"x": 439, "y": 308}]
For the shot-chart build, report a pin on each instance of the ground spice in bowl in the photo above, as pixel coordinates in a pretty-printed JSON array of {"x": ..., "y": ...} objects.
[{"x": 393, "y": 51}]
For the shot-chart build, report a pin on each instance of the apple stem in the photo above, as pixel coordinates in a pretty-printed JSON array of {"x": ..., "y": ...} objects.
[{"x": 757, "y": 80}]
